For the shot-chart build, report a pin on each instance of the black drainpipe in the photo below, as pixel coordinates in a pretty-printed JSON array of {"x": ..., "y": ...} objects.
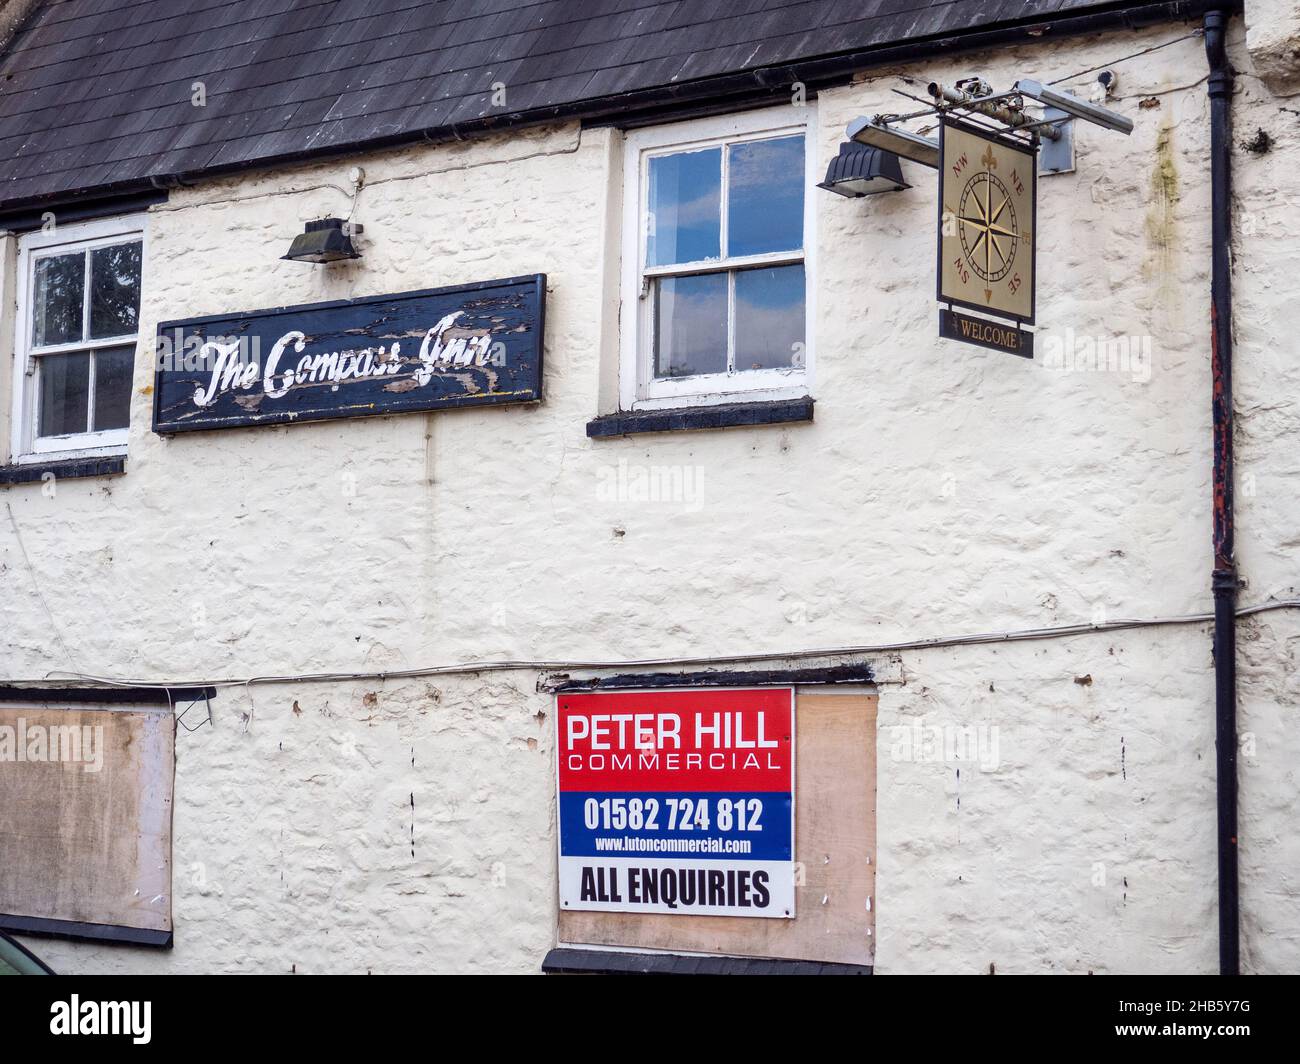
[{"x": 1224, "y": 577}]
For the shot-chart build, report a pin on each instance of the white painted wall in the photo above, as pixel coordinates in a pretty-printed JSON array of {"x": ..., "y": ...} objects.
[
  {"x": 1273, "y": 39},
  {"x": 407, "y": 826}
]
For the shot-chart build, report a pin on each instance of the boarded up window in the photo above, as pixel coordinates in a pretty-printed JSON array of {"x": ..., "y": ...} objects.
[
  {"x": 835, "y": 847},
  {"x": 86, "y": 831}
]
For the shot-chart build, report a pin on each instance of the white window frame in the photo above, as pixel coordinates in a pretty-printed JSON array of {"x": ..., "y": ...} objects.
[
  {"x": 26, "y": 446},
  {"x": 638, "y": 388}
]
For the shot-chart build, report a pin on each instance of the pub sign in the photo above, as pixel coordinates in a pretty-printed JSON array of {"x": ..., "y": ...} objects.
[
  {"x": 987, "y": 205},
  {"x": 470, "y": 345}
]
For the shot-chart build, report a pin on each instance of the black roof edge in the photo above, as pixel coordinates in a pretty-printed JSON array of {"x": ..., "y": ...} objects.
[
  {"x": 24, "y": 219},
  {"x": 828, "y": 71},
  {"x": 726, "y": 90}
]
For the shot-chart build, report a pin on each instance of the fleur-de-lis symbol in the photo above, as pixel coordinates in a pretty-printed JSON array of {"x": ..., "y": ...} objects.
[{"x": 990, "y": 163}]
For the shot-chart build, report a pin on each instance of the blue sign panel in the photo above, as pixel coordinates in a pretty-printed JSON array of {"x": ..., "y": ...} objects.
[
  {"x": 473, "y": 345},
  {"x": 702, "y": 824}
]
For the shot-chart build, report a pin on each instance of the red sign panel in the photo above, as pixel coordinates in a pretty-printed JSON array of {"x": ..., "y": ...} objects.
[{"x": 706, "y": 740}]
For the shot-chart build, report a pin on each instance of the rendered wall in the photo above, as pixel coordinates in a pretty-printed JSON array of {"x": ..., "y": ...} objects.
[{"x": 407, "y": 826}]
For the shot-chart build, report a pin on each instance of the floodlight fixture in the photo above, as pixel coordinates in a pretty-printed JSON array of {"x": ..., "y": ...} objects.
[
  {"x": 876, "y": 133},
  {"x": 861, "y": 171},
  {"x": 1074, "y": 106}
]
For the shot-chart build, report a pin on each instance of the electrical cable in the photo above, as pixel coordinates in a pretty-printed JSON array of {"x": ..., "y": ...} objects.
[
  {"x": 575, "y": 147},
  {"x": 1125, "y": 59},
  {"x": 466, "y": 668},
  {"x": 36, "y": 586}
]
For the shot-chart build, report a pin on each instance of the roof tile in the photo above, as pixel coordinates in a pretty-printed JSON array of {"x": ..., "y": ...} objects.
[{"x": 98, "y": 91}]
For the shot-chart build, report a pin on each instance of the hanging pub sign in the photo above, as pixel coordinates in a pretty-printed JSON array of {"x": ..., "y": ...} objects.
[
  {"x": 471, "y": 345},
  {"x": 987, "y": 219},
  {"x": 677, "y": 801}
]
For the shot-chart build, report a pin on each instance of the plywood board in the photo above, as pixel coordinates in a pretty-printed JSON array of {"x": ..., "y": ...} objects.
[
  {"x": 835, "y": 843},
  {"x": 86, "y": 814}
]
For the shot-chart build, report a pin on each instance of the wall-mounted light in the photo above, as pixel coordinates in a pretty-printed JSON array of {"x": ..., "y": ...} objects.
[
  {"x": 324, "y": 240},
  {"x": 876, "y": 134},
  {"x": 861, "y": 171}
]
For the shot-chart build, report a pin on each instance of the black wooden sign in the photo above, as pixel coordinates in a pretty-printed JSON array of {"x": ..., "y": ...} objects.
[
  {"x": 996, "y": 335},
  {"x": 472, "y": 345}
]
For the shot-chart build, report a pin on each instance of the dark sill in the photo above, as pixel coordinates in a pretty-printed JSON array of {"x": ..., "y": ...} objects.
[
  {"x": 77, "y": 931},
  {"x": 857, "y": 673},
  {"x": 63, "y": 469},
  {"x": 729, "y": 415},
  {"x": 159, "y": 696},
  {"x": 601, "y": 962}
]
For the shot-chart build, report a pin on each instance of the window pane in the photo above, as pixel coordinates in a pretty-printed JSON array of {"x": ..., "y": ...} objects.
[
  {"x": 65, "y": 391},
  {"x": 765, "y": 196},
  {"x": 114, "y": 290},
  {"x": 685, "y": 205},
  {"x": 691, "y": 325},
  {"x": 60, "y": 290},
  {"x": 770, "y": 318},
  {"x": 113, "y": 367}
]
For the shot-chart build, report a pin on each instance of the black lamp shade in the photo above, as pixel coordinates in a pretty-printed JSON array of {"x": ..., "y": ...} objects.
[
  {"x": 862, "y": 171},
  {"x": 322, "y": 241}
]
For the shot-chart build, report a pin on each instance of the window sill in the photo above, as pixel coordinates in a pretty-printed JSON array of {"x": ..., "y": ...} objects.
[
  {"x": 729, "y": 415},
  {"x": 578, "y": 961},
  {"x": 77, "y": 931},
  {"x": 63, "y": 469}
]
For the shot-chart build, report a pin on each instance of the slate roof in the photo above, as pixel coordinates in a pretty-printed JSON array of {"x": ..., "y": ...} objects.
[{"x": 96, "y": 94}]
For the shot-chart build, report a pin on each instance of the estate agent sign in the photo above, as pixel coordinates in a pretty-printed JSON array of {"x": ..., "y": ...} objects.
[
  {"x": 987, "y": 200},
  {"x": 472, "y": 345},
  {"x": 677, "y": 801}
]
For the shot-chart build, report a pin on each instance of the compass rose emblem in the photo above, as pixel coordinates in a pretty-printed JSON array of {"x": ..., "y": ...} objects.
[
  {"x": 987, "y": 189},
  {"x": 986, "y": 221}
]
